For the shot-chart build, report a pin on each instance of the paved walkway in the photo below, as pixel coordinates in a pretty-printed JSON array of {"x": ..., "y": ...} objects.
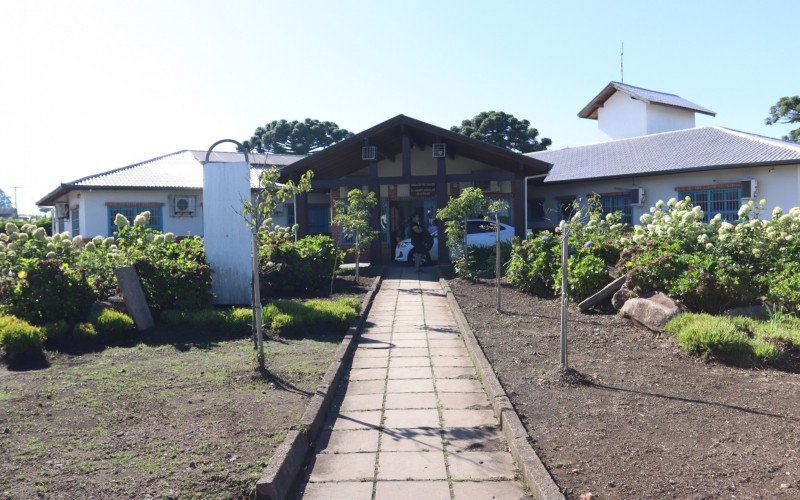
[{"x": 412, "y": 421}]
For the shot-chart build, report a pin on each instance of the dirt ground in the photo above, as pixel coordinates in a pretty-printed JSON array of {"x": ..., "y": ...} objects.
[
  {"x": 652, "y": 421},
  {"x": 179, "y": 415}
]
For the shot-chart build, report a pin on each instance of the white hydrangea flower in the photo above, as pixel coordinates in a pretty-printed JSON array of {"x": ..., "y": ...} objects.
[
  {"x": 40, "y": 234},
  {"x": 142, "y": 219},
  {"x": 12, "y": 247},
  {"x": 121, "y": 221},
  {"x": 51, "y": 255},
  {"x": 777, "y": 212},
  {"x": 709, "y": 246},
  {"x": 646, "y": 218},
  {"x": 90, "y": 246},
  {"x": 159, "y": 238},
  {"x": 77, "y": 240},
  {"x": 22, "y": 236},
  {"x": 27, "y": 228},
  {"x": 11, "y": 228},
  {"x": 660, "y": 204},
  {"x": 169, "y": 237},
  {"x": 672, "y": 202},
  {"x": 744, "y": 210},
  {"x": 108, "y": 241}
]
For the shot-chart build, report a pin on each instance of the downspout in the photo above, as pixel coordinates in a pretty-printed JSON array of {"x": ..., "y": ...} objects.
[
  {"x": 294, "y": 209},
  {"x": 526, "y": 197}
]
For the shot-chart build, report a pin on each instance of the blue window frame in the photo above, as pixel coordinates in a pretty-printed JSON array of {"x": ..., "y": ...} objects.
[
  {"x": 131, "y": 211},
  {"x": 725, "y": 201},
  {"x": 319, "y": 219},
  {"x": 75, "y": 220},
  {"x": 613, "y": 203},
  {"x": 290, "y": 215}
]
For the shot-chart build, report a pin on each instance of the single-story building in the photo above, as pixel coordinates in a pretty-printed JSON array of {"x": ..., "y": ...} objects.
[{"x": 649, "y": 149}]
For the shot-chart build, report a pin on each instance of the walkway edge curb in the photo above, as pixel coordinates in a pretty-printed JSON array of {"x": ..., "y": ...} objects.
[
  {"x": 287, "y": 461},
  {"x": 535, "y": 474}
]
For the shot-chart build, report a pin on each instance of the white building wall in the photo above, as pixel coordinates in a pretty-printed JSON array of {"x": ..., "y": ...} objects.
[
  {"x": 665, "y": 118},
  {"x": 779, "y": 186},
  {"x": 621, "y": 117}
]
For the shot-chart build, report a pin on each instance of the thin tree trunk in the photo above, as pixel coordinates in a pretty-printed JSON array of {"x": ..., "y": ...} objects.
[
  {"x": 497, "y": 257},
  {"x": 358, "y": 256},
  {"x": 257, "y": 303},
  {"x": 335, "y": 262}
]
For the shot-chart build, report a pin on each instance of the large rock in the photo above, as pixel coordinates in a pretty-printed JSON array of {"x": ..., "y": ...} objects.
[
  {"x": 759, "y": 311},
  {"x": 620, "y": 297},
  {"x": 652, "y": 312}
]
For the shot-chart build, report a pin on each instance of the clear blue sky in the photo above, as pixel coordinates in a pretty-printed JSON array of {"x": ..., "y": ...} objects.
[{"x": 90, "y": 86}]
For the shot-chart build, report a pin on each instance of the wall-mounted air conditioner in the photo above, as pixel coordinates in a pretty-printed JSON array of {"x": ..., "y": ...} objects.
[
  {"x": 184, "y": 205},
  {"x": 637, "y": 196},
  {"x": 61, "y": 210},
  {"x": 749, "y": 188},
  {"x": 439, "y": 149}
]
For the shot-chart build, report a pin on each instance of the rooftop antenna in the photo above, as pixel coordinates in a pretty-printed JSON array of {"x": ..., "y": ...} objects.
[
  {"x": 621, "y": 66},
  {"x": 15, "y": 196}
]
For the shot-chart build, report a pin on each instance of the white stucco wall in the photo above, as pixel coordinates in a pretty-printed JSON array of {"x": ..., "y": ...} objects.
[
  {"x": 664, "y": 118},
  {"x": 93, "y": 210},
  {"x": 621, "y": 117},
  {"x": 779, "y": 186}
]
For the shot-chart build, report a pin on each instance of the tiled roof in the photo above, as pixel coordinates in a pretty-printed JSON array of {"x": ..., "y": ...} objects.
[
  {"x": 682, "y": 150},
  {"x": 179, "y": 170},
  {"x": 645, "y": 95}
]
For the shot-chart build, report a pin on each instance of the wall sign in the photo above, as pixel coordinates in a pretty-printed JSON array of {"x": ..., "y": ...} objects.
[{"x": 423, "y": 190}]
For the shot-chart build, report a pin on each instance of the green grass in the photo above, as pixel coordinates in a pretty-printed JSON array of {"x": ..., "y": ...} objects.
[
  {"x": 281, "y": 316},
  {"x": 738, "y": 338}
]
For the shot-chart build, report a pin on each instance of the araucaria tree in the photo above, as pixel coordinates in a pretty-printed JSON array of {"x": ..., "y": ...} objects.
[
  {"x": 352, "y": 217},
  {"x": 257, "y": 213},
  {"x": 5, "y": 201},
  {"x": 504, "y": 130},
  {"x": 295, "y": 137},
  {"x": 786, "y": 110}
]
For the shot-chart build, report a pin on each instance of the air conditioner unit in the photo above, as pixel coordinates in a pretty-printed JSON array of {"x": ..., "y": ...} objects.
[
  {"x": 637, "y": 196},
  {"x": 439, "y": 149},
  {"x": 184, "y": 204},
  {"x": 749, "y": 188},
  {"x": 369, "y": 153},
  {"x": 61, "y": 210}
]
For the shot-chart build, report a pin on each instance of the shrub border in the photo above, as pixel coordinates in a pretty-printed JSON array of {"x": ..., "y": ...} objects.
[
  {"x": 287, "y": 461},
  {"x": 534, "y": 473}
]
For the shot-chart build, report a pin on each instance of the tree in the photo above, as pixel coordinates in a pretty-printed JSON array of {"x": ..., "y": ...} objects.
[
  {"x": 352, "y": 217},
  {"x": 470, "y": 203},
  {"x": 295, "y": 137},
  {"x": 504, "y": 130},
  {"x": 257, "y": 213},
  {"x": 786, "y": 110},
  {"x": 495, "y": 208},
  {"x": 5, "y": 200}
]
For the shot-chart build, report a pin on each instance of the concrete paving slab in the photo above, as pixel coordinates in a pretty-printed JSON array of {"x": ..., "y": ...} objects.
[
  {"x": 367, "y": 374},
  {"x": 402, "y": 361},
  {"x": 481, "y": 465},
  {"x": 463, "y": 401},
  {"x": 405, "y": 490},
  {"x": 411, "y": 465},
  {"x": 401, "y": 372},
  {"x": 453, "y": 372},
  {"x": 350, "y": 490},
  {"x": 474, "y": 439},
  {"x": 411, "y": 440},
  {"x": 409, "y": 352},
  {"x": 364, "y": 387},
  {"x": 400, "y": 400},
  {"x": 409, "y": 385},
  {"x": 412, "y": 418},
  {"x": 469, "y": 418},
  {"x": 379, "y": 362},
  {"x": 354, "y": 441},
  {"x": 343, "y": 467},
  {"x": 348, "y": 420},
  {"x": 461, "y": 361},
  {"x": 361, "y": 402},
  {"x": 450, "y": 351},
  {"x": 472, "y": 490},
  {"x": 458, "y": 385}
]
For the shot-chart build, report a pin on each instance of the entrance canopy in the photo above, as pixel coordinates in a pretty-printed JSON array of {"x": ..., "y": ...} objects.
[{"x": 392, "y": 136}]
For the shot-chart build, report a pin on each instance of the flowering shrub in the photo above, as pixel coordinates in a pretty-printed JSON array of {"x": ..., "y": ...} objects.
[
  {"x": 534, "y": 264},
  {"x": 44, "y": 279},
  {"x": 296, "y": 268}
]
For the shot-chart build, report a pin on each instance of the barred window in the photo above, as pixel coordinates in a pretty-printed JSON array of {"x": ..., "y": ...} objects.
[
  {"x": 725, "y": 201},
  {"x": 618, "y": 203},
  {"x": 131, "y": 211}
]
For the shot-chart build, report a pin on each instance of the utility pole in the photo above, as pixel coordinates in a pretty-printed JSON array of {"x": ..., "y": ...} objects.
[{"x": 621, "y": 65}]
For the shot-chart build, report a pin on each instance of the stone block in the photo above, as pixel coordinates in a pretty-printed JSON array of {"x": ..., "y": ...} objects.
[{"x": 133, "y": 294}]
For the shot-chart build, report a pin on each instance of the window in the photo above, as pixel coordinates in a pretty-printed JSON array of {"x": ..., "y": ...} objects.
[
  {"x": 613, "y": 203},
  {"x": 566, "y": 208},
  {"x": 319, "y": 219},
  {"x": 289, "y": 215},
  {"x": 75, "y": 219},
  {"x": 131, "y": 211},
  {"x": 725, "y": 201},
  {"x": 536, "y": 210}
]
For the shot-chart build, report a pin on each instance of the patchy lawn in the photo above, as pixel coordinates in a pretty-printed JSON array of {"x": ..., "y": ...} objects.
[
  {"x": 163, "y": 418},
  {"x": 652, "y": 421}
]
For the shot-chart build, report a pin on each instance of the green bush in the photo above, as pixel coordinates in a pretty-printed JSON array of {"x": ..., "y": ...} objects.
[
  {"x": 56, "y": 331},
  {"x": 18, "y": 336},
  {"x": 321, "y": 254},
  {"x": 232, "y": 321},
  {"x": 284, "y": 315},
  {"x": 111, "y": 322},
  {"x": 766, "y": 341},
  {"x": 783, "y": 286},
  {"x": 47, "y": 291},
  {"x": 587, "y": 274},
  {"x": 84, "y": 332},
  {"x": 534, "y": 264}
]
